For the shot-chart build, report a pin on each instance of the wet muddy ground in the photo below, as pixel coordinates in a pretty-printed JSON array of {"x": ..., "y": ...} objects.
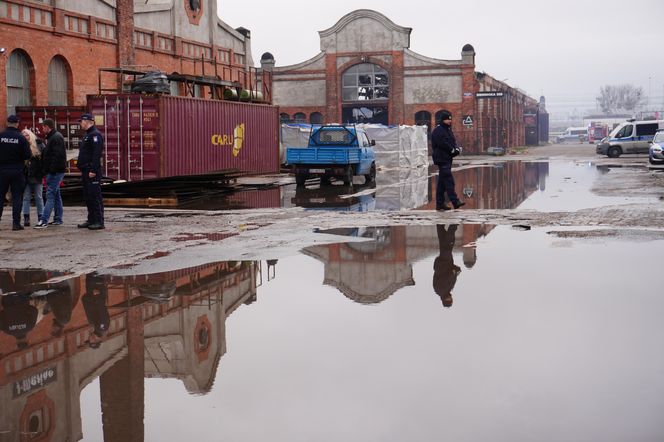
[
  {"x": 350, "y": 313},
  {"x": 570, "y": 187}
]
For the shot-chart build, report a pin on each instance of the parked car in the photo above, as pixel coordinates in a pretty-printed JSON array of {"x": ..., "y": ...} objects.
[
  {"x": 656, "y": 151},
  {"x": 629, "y": 137},
  {"x": 573, "y": 135}
]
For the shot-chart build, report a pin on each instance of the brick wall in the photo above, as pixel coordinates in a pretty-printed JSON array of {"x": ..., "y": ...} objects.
[{"x": 85, "y": 52}]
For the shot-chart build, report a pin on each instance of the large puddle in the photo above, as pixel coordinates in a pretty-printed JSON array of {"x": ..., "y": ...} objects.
[
  {"x": 468, "y": 332},
  {"x": 540, "y": 185}
]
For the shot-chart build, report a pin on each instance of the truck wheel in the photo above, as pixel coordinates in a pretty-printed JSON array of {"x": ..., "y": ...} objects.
[
  {"x": 348, "y": 176},
  {"x": 300, "y": 179},
  {"x": 614, "y": 152},
  {"x": 371, "y": 176}
]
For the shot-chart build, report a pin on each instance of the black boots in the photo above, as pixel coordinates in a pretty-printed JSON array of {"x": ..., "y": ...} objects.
[{"x": 26, "y": 220}]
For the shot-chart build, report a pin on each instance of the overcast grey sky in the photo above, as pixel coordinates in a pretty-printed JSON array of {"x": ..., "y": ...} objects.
[{"x": 565, "y": 50}]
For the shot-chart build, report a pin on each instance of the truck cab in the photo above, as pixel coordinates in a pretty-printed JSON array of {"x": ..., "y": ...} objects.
[{"x": 339, "y": 151}]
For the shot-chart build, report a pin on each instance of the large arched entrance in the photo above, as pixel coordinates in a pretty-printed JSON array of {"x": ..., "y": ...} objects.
[{"x": 365, "y": 94}]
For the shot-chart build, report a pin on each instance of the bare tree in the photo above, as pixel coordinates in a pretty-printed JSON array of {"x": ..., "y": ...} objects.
[{"x": 616, "y": 98}]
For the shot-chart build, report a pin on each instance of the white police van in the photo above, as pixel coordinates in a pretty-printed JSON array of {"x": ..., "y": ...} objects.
[
  {"x": 629, "y": 137},
  {"x": 574, "y": 135}
]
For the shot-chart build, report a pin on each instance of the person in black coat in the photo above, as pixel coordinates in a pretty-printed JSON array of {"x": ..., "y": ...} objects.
[
  {"x": 54, "y": 162},
  {"x": 14, "y": 151},
  {"x": 34, "y": 175},
  {"x": 444, "y": 148},
  {"x": 89, "y": 163},
  {"x": 445, "y": 272}
]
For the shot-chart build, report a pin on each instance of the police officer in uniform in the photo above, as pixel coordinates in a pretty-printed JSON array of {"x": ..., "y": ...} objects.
[
  {"x": 14, "y": 151},
  {"x": 94, "y": 304},
  {"x": 89, "y": 163}
]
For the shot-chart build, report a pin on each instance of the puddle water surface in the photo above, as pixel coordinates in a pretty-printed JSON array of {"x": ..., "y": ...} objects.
[{"x": 418, "y": 333}]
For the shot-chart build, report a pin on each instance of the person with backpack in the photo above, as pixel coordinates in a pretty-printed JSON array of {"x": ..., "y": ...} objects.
[{"x": 33, "y": 177}]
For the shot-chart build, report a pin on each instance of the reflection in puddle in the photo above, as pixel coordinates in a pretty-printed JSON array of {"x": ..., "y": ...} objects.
[
  {"x": 465, "y": 321},
  {"x": 497, "y": 186}
]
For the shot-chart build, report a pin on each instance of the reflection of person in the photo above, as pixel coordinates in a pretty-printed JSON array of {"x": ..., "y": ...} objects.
[
  {"x": 18, "y": 317},
  {"x": 444, "y": 270},
  {"x": 14, "y": 151},
  {"x": 89, "y": 163},
  {"x": 60, "y": 301},
  {"x": 444, "y": 148},
  {"x": 94, "y": 304}
]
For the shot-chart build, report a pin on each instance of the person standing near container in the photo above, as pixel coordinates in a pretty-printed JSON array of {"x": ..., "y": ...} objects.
[
  {"x": 14, "y": 151},
  {"x": 89, "y": 163},
  {"x": 34, "y": 175},
  {"x": 54, "y": 160},
  {"x": 445, "y": 148}
]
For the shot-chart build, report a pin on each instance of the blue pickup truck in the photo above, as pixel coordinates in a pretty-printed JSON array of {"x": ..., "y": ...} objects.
[{"x": 333, "y": 151}]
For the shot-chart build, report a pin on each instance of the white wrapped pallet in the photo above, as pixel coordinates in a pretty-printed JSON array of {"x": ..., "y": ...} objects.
[{"x": 398, "y": 146}]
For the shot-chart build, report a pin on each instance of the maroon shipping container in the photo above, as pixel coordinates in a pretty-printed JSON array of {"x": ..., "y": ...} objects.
[{"x": 151, "y": 136}]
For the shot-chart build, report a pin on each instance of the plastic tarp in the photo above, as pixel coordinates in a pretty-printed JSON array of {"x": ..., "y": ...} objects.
[{"x": 397, "y": 147}]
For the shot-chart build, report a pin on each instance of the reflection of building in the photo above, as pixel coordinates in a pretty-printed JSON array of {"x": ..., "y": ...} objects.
[
  {"x": 370, "y": 272},
  {"x": 366, "y": 73},
  {"x": 498, "y": 186},
  {"x": 181, "y": 336}
]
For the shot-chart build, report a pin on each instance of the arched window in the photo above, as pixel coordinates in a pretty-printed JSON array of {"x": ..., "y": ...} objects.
[
  {"x": 57, "y": 81},
  {"x": 365, "y": 81},
  {"x": 18, "y": 81},
  {"x": 423, "y": 118},
  {"x": 300, "y": 117},
  {"x": 316, "y": 118},
  {"x": 284, "y": 117}
]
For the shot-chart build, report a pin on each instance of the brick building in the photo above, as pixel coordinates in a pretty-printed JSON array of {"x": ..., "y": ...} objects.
[
  {"x": 54, "y": 48},
  {"x": 366, "y": 72}
]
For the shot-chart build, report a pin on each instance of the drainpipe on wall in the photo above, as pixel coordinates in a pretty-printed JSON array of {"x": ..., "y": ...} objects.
[{"x": 125, "y": 19}]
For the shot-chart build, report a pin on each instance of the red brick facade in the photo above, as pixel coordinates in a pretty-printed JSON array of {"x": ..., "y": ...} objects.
[{"x": 87, "y": 43}]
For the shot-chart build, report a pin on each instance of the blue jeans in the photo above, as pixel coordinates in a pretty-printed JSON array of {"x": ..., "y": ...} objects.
[
  {"x": 35, "y": 189},
  {"x": 53, "y": 199}
]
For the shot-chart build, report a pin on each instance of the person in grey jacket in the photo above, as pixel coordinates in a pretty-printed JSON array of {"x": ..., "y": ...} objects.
[{"x": 54, "y": 160}]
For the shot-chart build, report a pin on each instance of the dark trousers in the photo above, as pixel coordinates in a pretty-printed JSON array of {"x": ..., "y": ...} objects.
[
  {"x": 14, "y": 179},
  {"x": 93, "y": 199},
  {"x": 445, "y": 185}
]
